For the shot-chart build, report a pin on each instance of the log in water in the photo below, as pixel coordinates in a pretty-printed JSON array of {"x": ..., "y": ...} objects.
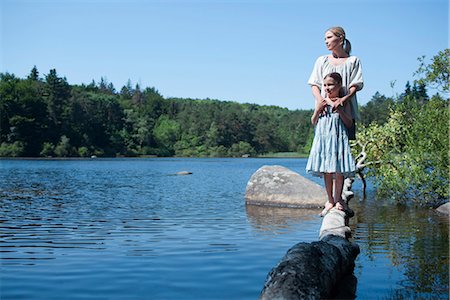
[{"x": 312, "y": 270}]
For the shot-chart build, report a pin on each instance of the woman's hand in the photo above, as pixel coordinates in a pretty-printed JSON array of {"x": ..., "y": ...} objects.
[
  {"x": 337, "y": 103},
  {"x": 320, "y": 106},
  {"x": 318, "y": 110}
]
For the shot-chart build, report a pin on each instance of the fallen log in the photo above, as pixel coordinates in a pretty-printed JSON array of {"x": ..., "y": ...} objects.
[{"x": 313, "y": 270}]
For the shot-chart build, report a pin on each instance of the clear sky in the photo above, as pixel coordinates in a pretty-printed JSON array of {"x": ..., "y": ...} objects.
[{"x": 252, "y": 51}]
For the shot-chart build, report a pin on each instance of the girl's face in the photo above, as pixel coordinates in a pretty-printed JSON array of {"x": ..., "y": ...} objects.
[
  {"x": 331, "y": 87},
  {"x": 332, "y": 41}
]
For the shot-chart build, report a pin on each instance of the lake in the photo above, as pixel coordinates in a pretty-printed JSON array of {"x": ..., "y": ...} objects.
[{"x": 131, "y": 229}]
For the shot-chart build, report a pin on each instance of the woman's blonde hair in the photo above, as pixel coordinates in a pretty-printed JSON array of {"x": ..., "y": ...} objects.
[{"x": 340, "y": 33}]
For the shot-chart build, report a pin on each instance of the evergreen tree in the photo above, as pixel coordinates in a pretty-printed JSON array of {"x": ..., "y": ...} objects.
[
  {"x": 57, "y": 94},
  {"x": 34, "y": 74}
]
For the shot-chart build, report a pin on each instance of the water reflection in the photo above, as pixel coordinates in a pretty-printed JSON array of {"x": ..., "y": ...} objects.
[
  {"x": 415, "y": 242},
  {"x": 277, "y": 219}
]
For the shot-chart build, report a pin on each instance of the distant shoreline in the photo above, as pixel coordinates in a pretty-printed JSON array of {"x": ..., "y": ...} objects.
[{"x": 268, "y": 155}]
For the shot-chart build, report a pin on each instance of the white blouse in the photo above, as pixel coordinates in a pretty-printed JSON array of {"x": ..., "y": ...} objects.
[{"x": 350, "y": 70}]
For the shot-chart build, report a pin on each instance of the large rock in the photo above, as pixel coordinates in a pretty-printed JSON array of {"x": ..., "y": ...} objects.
[
  {"x": 279, "y": 186},
  {"x": 444, "y": 208}
]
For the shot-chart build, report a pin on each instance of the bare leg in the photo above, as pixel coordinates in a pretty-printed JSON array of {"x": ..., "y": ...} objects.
[
  {"x": 328, "y": 179},
  {"x": 339, "y": 185}
]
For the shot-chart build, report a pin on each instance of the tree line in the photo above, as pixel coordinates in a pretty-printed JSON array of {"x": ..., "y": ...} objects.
[
  {"x": 48, "y": 117},
  {"x": 42, "y": 117}
]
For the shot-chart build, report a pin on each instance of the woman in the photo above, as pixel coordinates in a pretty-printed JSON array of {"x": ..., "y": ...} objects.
[{"x": 348, "y": 66}]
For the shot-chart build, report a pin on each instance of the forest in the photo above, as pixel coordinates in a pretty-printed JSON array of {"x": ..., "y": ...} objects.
[{"x": 48, "y": 117}]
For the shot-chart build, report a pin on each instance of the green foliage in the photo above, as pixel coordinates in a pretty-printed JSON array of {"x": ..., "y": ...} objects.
[
  {"x": 15, "y": 149},
  {"x": 436, "y": 74},
  {"x": 48, "y": 149},
  {"x": 411, "y": 151},
  {"x": 63, "y": 149},
  {"x": 166, "y": 133},
  {"x": 56, "y": 92},
  {"x": 84, "y": 152},
  {"x": 376, "y": 110},
  {"x": 241, "y": 149},
  {"x": 50, "y": 117}
]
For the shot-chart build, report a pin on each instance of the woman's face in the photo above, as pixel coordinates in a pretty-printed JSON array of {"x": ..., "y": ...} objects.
[
  {"x": 331, "y": 87},
  {"x": 332, "y": 41}
]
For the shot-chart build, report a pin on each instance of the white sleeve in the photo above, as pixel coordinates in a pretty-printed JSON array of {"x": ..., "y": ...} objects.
[
  {"x": 356, "y": 77},
  {"x": 316, "y": 77}
]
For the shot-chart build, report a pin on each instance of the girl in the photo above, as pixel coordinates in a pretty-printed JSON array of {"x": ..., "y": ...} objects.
[{"x": 330, "y": 155}]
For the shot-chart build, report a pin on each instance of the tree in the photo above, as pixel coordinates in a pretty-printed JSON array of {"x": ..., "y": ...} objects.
[
  {"x": 57, "y": 94},
  {"x": 34, "y": 74},
  {"x": 105, "y": 87},
  {"x": 377, "y": 109},
  {"x": 408, "y": 154},
  {"x": 8, "y": 105},
  {"x": 411, "y": 150},
  {"x": 23, "y": 115},
  {"x": 63, "y": 149},
  {"x": 48, "y": 149},
  {"x": 127, "y": 90},
  {"x": 212, "y": 135},
  {"x": 15, "y": 149},
  {"x": 436, "y": 74},
  {"x": 95, "y": 120},
  {"x": 240, "y": 149},
  {"x": 166, "y": 133}
]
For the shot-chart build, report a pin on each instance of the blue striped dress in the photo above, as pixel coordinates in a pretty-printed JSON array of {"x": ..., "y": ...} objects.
[{"x": 330, "y": 151}]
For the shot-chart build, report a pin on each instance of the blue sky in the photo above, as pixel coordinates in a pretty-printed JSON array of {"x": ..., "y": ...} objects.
[{"x": 248, "y": 51}]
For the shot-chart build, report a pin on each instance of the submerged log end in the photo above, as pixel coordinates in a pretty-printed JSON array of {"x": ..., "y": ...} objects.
[{"x": 312, "y": 270}]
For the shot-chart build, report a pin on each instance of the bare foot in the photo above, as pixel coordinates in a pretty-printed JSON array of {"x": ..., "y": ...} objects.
[
  {"x": 327, "y": 208},
  {"x": 341, "y": 205}
]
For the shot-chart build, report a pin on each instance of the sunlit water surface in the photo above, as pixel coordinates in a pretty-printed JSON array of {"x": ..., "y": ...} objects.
[{"x": 131, "y": 229}]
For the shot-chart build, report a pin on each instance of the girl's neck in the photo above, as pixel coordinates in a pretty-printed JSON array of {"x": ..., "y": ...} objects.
[{"x": 333, "y": 96}]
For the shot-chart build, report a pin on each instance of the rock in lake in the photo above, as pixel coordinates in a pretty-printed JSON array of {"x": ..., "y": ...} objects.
[
  {"x": 279, "y": 186},
  {"x": 184, "y": 173},
  {"x": 444, "y": 208}
]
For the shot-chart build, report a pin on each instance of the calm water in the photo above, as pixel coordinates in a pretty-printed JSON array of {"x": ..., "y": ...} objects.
[{"x": 130, "y": 229}]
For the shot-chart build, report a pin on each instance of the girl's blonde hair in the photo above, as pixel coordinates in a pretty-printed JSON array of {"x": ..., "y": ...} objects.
[{"x": 340, "y": 33}]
